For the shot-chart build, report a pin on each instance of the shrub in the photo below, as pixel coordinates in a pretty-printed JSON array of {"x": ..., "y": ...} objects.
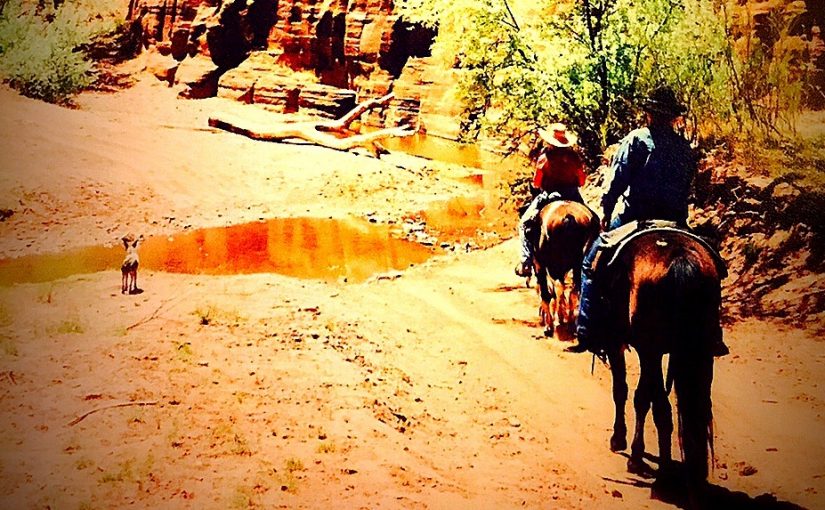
[
  {"x": 39, "y": 49},
  {"x": 589, "y": 62},
  {"x": 768, "y": 66}
]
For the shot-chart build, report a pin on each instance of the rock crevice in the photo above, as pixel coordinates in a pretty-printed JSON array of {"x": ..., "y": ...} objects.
[{"x": 318, "y": 55}]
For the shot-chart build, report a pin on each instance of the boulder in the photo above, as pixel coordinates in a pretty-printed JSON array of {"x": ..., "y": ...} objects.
[
  {"x": 785, "y": 191},
  {"x": 271, "y": 82},
  {"x": 326, "y": 100},
  {"x": 163, "y": 67},
  {"x": 240, "y": 80},
  {"x": 198, "y": 77},
  {"x": 426, "y": 92}
]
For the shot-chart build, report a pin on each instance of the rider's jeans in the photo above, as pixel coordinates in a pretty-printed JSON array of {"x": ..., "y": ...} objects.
[{"x": 590, "y": 312}]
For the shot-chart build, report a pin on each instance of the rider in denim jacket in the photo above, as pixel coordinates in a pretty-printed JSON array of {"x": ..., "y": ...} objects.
[{"x": 652, "y": 175}]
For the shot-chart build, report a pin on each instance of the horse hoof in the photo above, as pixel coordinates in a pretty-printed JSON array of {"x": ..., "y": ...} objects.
[
  {"x": 618, "y": 444},
  {"x": 639, "y": 467},
  {"x": 668, "y": 471}
]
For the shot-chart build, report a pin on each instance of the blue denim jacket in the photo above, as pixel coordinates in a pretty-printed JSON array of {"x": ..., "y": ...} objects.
[{"x": 652, "y": 173}]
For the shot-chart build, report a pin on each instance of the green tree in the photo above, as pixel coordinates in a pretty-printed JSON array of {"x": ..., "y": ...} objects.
[
  {"x": 39, "y": 48},
  {"x": 587, "y": 63}
]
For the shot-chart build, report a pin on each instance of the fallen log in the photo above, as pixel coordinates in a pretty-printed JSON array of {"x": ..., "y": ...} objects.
[{"x": 334, "y": 134}]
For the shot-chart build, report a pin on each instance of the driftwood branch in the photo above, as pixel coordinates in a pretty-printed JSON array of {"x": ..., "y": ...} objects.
[
  {"x": 153, "y": 316},
  {"x": 334, "y": 134},
  {"x": 354, "y": 114},
  {"x": 111, "y": 406}
]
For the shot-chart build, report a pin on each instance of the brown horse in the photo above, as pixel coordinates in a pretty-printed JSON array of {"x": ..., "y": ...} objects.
[
  {"x": 665, "y": 299},
  {"x": 567, "y": 231}
]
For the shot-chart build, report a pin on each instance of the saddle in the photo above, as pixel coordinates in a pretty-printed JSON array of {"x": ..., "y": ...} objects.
[{"x": 614, "y": 241}]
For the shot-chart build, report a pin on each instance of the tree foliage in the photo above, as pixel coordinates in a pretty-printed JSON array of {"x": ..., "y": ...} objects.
[
  {"x": 589, "y": 62},
  {"x": 39, "y": 48}
]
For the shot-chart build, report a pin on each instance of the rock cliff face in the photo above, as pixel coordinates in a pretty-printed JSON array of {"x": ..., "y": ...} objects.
[
  {"x": 293, "y": 54},
  {"x": 324, "y": 55}
]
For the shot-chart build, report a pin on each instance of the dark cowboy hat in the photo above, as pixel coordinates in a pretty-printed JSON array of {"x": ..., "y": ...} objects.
[{"x": 662, "y": 101}]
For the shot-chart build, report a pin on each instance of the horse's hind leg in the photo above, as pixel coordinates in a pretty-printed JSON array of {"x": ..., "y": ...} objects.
[
  {"x": 662, "y": 417},
  {"x": 618, "y": 441},
  {"x": 559, "y": 308},
  {"x": 547, "y": 295},
  {"x": 641, "y": 404},
  {"x": 572, "y": 306},
  {"x": 573, "y": 297}
]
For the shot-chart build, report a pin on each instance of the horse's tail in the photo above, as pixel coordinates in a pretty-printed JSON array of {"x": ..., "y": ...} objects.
[
  {"x": 577, "y": 235},
  {"x": 564, "y": 229},
  {"x": 691, "y": 363}
]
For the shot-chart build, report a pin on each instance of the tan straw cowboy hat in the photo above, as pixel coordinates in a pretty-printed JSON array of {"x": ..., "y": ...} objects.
[{"x": 558, "y": 136}]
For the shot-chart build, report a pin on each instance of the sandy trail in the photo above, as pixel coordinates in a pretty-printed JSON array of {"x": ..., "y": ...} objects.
[{"x": 434, "y": 389}]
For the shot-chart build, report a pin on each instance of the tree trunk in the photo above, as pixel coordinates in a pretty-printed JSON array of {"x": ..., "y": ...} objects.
[{"x": 333, "y": 134}]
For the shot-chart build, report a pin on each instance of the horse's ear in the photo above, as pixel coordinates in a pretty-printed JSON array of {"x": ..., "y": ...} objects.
[{"x": 125, "y": 242}]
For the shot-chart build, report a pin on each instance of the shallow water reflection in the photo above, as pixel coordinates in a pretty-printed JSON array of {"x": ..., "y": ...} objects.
[{"x": 313, "y": 248}]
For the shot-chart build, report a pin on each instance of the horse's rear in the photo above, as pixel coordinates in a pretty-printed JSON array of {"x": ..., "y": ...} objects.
[
  {"x": 668, "y": 301},
  {"x": 567, "y": 230}
]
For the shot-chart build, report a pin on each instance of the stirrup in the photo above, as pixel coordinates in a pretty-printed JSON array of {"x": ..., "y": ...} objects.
[
  {"x": 578, "y": 348},
  {"x": 524, "y": 270}
]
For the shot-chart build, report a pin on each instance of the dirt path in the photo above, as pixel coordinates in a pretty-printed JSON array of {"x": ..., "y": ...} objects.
[{"x": 434, "y": 389}]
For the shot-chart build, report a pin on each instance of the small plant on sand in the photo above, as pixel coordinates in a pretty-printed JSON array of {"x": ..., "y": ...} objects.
[
  {"x": 183, "y": 351},
  {"x": 123, "y": 473},
  {"x": 287, "y": 480},
  {"x": 83, "y": 463},
  {"x": 70, "y": 326},
  {"x": 137, "y": 415},
  {"x": 7, "y": 346},
  {"x": 239, "y": 446},
  {"x": 130, "y": 470},
  {"x": 210, "y": 315},
  {"x": 326, "y": 447},
  {"x": 174, "y": 437},
  {"x": 235, "y": 441},
  {"x": 293, "y": 464},
  {"x": 244, "y": 498},
  {"x": 204, "y": 315},
  {"x": 331, "y": 326}
]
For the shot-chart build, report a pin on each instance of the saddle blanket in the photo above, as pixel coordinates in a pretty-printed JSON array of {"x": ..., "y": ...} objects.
[{"x": 614, "y": 241}]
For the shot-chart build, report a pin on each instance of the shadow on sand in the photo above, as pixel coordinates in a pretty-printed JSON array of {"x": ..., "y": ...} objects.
[{"x": 710, "y": 497}]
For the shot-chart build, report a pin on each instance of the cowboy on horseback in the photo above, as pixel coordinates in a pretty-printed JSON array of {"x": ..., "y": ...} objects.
[
  {"x": 652, "y": 174},
  {"x": 559, "y": 172}
]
